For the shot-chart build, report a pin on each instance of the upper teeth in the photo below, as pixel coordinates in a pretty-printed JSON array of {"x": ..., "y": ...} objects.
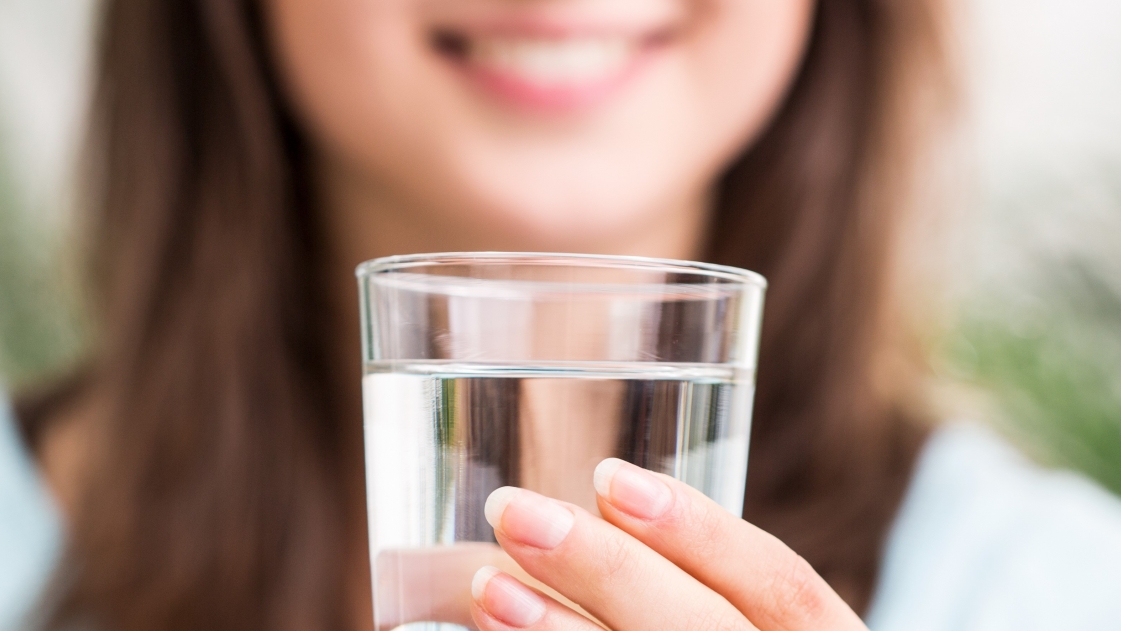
[{"x": 553, "y": 61}]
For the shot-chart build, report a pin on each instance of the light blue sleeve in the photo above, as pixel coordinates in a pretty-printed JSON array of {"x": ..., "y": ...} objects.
[
  {"x": 986, "y": 541},
  {"x": 30, "y": 532}
]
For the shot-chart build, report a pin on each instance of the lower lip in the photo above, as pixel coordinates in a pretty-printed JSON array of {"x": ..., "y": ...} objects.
[{"x": 526, "y": 94}]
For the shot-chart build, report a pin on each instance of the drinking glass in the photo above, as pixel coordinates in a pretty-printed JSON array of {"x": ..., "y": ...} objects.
[{"x": 484, "y": 370}]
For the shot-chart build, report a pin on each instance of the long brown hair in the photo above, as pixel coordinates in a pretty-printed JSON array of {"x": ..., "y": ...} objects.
[{"x": 217, "y": 491}]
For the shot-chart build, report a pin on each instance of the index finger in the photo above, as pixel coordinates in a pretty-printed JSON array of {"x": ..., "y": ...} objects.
[
  {"x": 774, "y": 587},
  {"x": 615, "y": 578}
]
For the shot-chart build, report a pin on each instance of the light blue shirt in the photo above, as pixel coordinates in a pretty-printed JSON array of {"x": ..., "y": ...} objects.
[
  {"x": 29, "y": 527},
  {"x": 984, "y": 541}
]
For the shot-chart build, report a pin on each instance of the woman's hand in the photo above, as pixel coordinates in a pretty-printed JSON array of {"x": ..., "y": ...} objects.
[{"x": 663, "y": 557}]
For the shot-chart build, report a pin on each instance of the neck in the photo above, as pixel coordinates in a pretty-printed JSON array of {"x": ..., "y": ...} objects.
[{"x": 367, "y": 219}]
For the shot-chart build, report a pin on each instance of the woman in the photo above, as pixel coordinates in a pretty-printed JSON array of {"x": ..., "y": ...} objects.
[{"x": 249, "y": 154}]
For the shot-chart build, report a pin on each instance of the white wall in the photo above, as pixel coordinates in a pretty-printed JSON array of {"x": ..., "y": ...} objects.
[
  {"x": 1047, "y": 79},
  {"x": 44, "y": 48}
]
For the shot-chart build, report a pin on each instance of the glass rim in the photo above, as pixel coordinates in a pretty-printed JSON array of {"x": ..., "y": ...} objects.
[{"x": 603, "y": 261}]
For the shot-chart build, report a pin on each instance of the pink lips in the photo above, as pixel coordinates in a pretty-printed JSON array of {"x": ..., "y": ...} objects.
[
  {"x": 551, "y": 70},
  {"x": 523, "y": 91}
]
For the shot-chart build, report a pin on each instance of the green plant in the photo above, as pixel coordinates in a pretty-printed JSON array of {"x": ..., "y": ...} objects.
[
  {"x": 1045, "y": 341},
  {"x": 39, "y": 331}
]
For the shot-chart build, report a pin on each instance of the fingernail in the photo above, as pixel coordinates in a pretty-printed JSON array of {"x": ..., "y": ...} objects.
[
  {"x": 528, "y": 518},
  {"x": 632, "y": 490},
  {"x": 503, "y": 597}
]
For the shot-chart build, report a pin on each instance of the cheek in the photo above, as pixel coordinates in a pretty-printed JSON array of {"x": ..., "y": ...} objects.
[
  {"x": 741, "y": 65},
  {"x": 375, "y": 100},
  {"x": 346, "y": 65}
]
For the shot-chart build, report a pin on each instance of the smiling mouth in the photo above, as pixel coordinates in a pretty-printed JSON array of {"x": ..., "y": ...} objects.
[{"x": 552, "y": 70}]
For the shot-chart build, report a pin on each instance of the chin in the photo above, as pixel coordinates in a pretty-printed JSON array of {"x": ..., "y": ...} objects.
[{"x": 569, "y": 217}]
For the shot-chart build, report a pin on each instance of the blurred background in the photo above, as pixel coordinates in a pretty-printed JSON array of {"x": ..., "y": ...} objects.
[{"x": 1033, "y": 344}]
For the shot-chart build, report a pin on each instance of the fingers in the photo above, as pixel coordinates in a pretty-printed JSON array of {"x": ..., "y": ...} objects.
[
  {"x": 429, "y": 584},
  {"x": 433, "y": 584},
  {"x": 767, "y": 581},
  {"x": 501, "y": 602},
  {"x": 609, "y": 573}
]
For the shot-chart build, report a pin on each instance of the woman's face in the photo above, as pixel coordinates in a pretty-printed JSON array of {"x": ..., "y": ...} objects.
[{"x": 561, "y": 124}]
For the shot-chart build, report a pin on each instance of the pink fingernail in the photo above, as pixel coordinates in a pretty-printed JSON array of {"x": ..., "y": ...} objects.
[
  {"x": 503, "y": 597},
  {"x": 631, "y": 489},
  {"x": 528, "y": 518}
]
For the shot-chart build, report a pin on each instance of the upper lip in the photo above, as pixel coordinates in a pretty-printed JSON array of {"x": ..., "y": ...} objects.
[{"x": 556, "y": 23}]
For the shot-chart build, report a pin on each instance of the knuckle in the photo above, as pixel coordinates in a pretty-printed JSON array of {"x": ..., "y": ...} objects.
[
  {"x": 722, "y": 621},
  {"x": 710, "y": 534},
  {"x": 799, "y": 593},
  {"x": 703, "y": 531},
  {"x": 616, "y": 559}
]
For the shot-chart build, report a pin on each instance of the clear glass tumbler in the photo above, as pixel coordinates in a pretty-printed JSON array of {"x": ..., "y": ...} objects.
[{"x": 485, "y": 370}]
